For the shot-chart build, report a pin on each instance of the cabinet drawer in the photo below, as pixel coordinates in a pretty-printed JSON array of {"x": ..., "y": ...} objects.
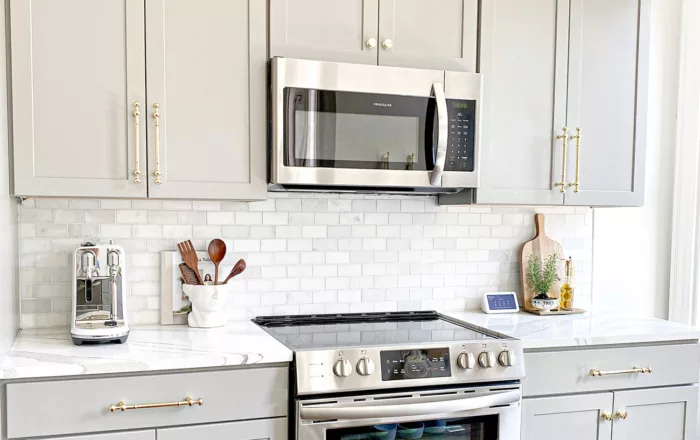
[
  {"x": 81, "y": 406},
  {"x": 267, "y": 429},
  {"x": 569, "y": 371}
]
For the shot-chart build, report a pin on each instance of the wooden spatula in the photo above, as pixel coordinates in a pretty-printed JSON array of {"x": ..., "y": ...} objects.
[
  {"x": 190, "y": 256},
  {"x": 236, "y": 270}
]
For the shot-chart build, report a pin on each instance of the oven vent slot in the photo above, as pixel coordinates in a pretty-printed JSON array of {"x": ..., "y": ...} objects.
[
  {"x": 503, "y": 389},
  {"x": 393, "y": 397},
  {"x": 359, "y": 400},
  {"x": 324, "y": 421},
  {"x": 449, "y": 393},
  {"x": 327, "y": 402},
  {"x": 500, "y": 406}
]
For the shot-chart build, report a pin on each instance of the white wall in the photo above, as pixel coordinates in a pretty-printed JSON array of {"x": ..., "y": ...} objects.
[
  {"x": 632, "y": 246},
  {"x": 9, "y": 319}
]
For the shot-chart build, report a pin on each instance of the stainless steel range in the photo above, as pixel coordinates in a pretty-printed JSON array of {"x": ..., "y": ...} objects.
[{"x": 395, "y": 375}]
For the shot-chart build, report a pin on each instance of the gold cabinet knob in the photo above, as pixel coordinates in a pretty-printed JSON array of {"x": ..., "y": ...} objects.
[
  {"x": 620, "y": 414},
  {"x": 606, "y": 416},
  {"x": 372, "y": 43},
  {"x": 387, "y": 44}
]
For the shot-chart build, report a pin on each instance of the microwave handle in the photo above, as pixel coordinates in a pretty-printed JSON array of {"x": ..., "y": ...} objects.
[
  {"x": 380, "y": 410},
  {"x": 441, "y": 151}
]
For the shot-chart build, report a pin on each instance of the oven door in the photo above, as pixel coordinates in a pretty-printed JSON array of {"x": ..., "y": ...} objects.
[
  {"x": 488, "y": 413},
  {"x": 353, "y": 125}
]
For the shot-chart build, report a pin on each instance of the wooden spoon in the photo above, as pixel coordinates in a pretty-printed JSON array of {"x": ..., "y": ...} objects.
[
  {"x": 217, "y": 252},
  {"x": 236, "y": 270}
]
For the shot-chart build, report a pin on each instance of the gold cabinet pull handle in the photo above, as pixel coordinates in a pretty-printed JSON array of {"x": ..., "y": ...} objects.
[
  {"x": 121, "y": 406},
  {"x": 137, "y": 137},
  {"x": 607, "y": 416},
  {"x": 156, "y": 129},
  {"x": 577, "y": 183},
  {"x": 564, "y": 140},
  {"x": 633, "y": 370},
  {"x": 621, "y": 414}
]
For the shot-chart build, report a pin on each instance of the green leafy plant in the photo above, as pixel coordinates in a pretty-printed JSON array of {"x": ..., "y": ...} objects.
[{"x": 542, "y": 275}]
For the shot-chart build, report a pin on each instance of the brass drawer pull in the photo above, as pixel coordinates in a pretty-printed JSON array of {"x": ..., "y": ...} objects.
[
  {"x": 121, "y": 406},
  {"x": 577, "y": 183},
  {"x": 137, "y": 135},
  {"x": 607, "y": 416},
  {"x": 564, "y": 141},
  {"x": 156, "y": 129},
  {"x": 621, "y": 414},
  {"x": 633, "y": 370}
]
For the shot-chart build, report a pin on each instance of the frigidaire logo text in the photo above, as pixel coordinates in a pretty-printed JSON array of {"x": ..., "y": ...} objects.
[{"x": 382, "y": 104}]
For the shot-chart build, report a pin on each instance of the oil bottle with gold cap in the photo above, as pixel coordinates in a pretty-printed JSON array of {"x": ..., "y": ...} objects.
[{"x": 566, "y": 294}]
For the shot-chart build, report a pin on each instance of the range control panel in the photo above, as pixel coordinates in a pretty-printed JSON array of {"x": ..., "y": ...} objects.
[
  {"x": 462, "y": 136},
  {"x": 354, "y": 369}
]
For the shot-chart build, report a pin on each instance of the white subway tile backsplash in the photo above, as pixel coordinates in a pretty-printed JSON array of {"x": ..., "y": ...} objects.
[{"x": 306, "y": 253}]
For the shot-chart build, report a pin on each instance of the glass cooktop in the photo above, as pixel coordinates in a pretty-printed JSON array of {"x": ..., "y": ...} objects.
[{"x": 303, "y": 332}]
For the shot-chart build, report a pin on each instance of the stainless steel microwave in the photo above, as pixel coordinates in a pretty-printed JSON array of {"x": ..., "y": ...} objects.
[{"x": 354, "y": 127}]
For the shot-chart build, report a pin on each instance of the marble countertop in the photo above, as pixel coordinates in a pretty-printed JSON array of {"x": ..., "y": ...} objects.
[
  {"x": 592, "y": 328},
  {"x": 51, "y": 353}
]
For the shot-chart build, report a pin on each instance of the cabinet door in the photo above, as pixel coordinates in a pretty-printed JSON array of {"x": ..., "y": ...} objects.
[
  {"x": 608, "y": 82},
  {"x": 207, "y": 73},
  {"x": 133, "y": 435},
  {"x": 524, "y": 62},
  {"x": 429, "y": 35},
  {"x": 577, "y": 417},
  {"x": 77, "y": 68},
  {"x": 265, "y": 429},
  {"x": 326, "y": 30},
  {"x": 658, "y": 413}
]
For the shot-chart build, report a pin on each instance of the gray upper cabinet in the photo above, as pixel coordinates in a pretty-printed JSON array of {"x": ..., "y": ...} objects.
[
  {"x": 608, "y": 82},
  {"x": 206, "y": 74},
  {"x": 326, "y": 30},
  {"x": 428, "y": 34},
  {"x": 77, "y": 69},
  {"x": 524, "y": 62},
  {"x": 551, "y": 64}
]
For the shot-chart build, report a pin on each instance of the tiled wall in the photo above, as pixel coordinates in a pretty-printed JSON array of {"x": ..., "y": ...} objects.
[{"x": 306, "y": 253}]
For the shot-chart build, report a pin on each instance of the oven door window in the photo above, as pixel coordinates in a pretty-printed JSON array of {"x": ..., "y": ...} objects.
[
  {"x": 331, "y": 129},
  {"x": 472, "y": 428}
]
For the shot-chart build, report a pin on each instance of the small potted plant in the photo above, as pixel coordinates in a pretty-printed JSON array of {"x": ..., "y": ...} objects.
[{"x": 542, "y": 277}]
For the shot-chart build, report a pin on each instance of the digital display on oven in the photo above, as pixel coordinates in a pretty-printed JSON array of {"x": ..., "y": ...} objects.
[{"x": 415, "y": 364}]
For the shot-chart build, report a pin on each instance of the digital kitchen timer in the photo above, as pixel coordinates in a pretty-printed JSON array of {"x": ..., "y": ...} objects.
[{"x": 499, "y": 302}]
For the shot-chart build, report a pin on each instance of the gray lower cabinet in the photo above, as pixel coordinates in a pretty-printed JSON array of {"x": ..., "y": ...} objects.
[
  {"x": 134, "y": 435},
  {"x": 648, "y": 414},
  {"x": 577, "y": 417},
  {"x": 77, "y": 68},
  {"x": 667, "y": 413},
  {"x": 206, "y": 81},
  {"x": 551, "y": 64},
  {"x": 408, "y": 33},
  {"x": 268, "y": 429}
]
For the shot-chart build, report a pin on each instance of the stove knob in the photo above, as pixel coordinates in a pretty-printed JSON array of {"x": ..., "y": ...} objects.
[
  {"x": 342, "y": 368},
  {"x": 507, "y": 358},
  {"x": 487, "y": 359},
  {"x": 466, "y": 361},
  {"x": 365, "y": 366}
]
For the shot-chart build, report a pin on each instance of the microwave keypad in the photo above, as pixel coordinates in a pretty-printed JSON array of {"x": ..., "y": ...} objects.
[{"x": 460, "y": 142}]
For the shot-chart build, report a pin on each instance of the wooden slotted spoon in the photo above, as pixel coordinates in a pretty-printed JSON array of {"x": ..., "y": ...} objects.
[{"x": 190, "y": 256}]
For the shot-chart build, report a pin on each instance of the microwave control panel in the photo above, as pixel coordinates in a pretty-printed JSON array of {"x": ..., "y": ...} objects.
[{"x": 461, "y": 126}]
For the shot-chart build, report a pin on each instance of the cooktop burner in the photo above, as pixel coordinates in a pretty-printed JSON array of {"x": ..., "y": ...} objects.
[{"x": 304, "y": 332}]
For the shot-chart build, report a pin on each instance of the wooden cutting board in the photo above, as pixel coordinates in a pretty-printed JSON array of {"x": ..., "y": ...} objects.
[{"x": 543, "y": 247}]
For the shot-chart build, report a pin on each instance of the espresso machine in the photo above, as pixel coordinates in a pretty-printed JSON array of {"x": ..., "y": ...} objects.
[{"x": 99, "y": 303}]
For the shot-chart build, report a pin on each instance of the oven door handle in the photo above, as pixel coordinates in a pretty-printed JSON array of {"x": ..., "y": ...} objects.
[
  {"x": 441, "y": 151},
  {"x": 413, "y": 409}
]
